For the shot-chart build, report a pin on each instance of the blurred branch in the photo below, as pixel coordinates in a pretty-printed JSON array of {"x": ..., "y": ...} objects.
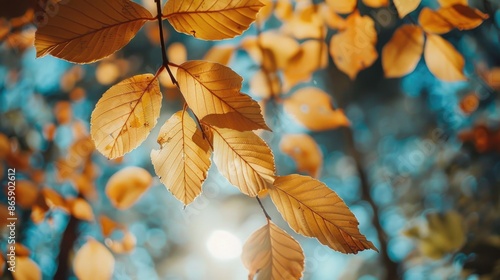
[{"x": 67, "y": 243}]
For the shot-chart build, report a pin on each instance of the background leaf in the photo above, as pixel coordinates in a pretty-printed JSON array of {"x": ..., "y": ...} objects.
[
  {"x": 304, "y": 151},
  {"x": 443, "y": 60},
  {"x": 126, "y": 186},
  {"x": 405, "y": 7},
  {"x": 402, "y": 53},
  {"x": 93, "y": 261}
]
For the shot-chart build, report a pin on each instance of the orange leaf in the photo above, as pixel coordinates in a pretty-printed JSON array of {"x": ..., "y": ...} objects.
[
  {"x": 271, "y": 253},
  {"x": 463, "y": 17},
  {"x": 125, "y": 115},
  {"x": 331, "y": 18},
  {"x": 108, "y": 225},
  {"x": 26, "y": 269},
  {"x": 313, "y": 210},
  {"x": 126, "y": 186},
  {"x": 313, "y": 55},
  {"x": 306, "y": 22},
  {"x": 88, "y": 30},
  {"x": 81, "y": 209},
  {"x": 212, "y": 91},
  {"x": 353, "y": 49},
  {"x": 304, "y": 151},
  {"x": 211, "y": 20},
  {"x": 402, "y": 53},
  {"x": 244, "y": 159},
  {"x": 184, "y": 158},
  {"x": 265, "y": 85},
  {"x": 93, "y": 261},
  {"x": 446, "y": 3},
  {"x": 342, "y": 7},
  {"x": 219, "y": 54},
  {"x": 312, "y": 107},
  {"x": 26, "y": 193},
  {"x": 405, "y": 7},
  {"x": 376, "y": 3},
  {"x": 434, "y": 22},
  {"x": 443, "y": 60},
  {"x": 123, "y": 246}
]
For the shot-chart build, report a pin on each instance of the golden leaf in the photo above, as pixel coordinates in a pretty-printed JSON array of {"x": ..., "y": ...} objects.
[
  {"x": 212, "y": 91},
  {"x": 126, "y": 186},
  {"x": 81, "y": 209},
  {"x": 331, "y": 18},
  {"x": 184, "y": 158},
  {"x": 125, "y": 245},
  {"x": 26, "y": 269},
  {"x": 313, "y": 210},
  {"x": 244, "y": 159},
  {"x": 433, "y": 22},
  {"x": 304, "y": 151},
  {"x": 93, "y": 261},
  {"x": 405, "y": 7},
  {"x": 219, "y": 54},
  {"x": 265, "y": 85},
  {"x": 447, "y": 3},
  {"x": 376, "y": 3},
  {"x": 342, "y": 7},
  {"x": 313, "y": 55},
  {"x": 443, "y": 60},
  {"x": 305, "y": 23},
  {"x": 271, "y": 253},
  {"x": 463, "y": 17},
  {"x": 353, "y": 49},
  {"x": 211, "y": 20},
  {"x": 402, "y": 53},
  {"x": 125, "y": 115},
  {"x": 88, "y": 30},
  {"x": 312, "y": 107}
]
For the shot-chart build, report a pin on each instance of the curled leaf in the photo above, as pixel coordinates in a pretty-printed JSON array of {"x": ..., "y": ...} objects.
[
  {"x": 462, "y": 16},
  {"x": 126, "y": 186},
  {"x": 433, "y": 22}
]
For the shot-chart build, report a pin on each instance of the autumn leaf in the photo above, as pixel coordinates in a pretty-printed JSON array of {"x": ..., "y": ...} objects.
[
  {"x": 433, "y": 22},
  {"x": 405, "y": 7},
  {"x": 402, "y": 53},
  {"x": 342, "y": 7},
  {"x": 447, "y": 3},
  {"x": 353, "y": 49},
  {"x": 125, "y": 245},
  {"x": 244, "y": 159},
  {"x": 313, "y": 210},
  {"x": 126, "y": 186},
  {"x": 376, "y": 3},
  {"x": 312, "y": 108},
  {"x": 125, "y": 115},
  {"x": 305, "y": 23},
  {"x": 184, "y": 158},
  {"x": 93, "y": 261},
  {"x": 443, "y": 60},
  {"x": 462, "y": 17},
  {"x": 211, "y": 20},
  {"x": 88, "y": 30},
  {"x": 265, "y": 84},
  {"x": 271, "y": 253},
  {"x": 312, "y": 56},
  {"x": 212, "y": 91},
  {"x": 304, "y": 151},
  {"x": 220, "y": 54},
  {"x": 331, "y": 18},
  {"x": 81, "y": 209},
  {"x": 26, "y": 269}
]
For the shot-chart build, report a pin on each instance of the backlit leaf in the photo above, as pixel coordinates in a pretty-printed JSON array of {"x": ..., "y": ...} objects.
[
  {"x": 26, "y": 269},
  {"x": 88, "y": 30},
  {"x": 443, "y": 60},
  {"x": 304, "y": 151},
  {"x": 126, "y": 186},
  {"x": 93, "y": 261},
  {"x": 211, "y": 20},
  {"x": 313, "y": 210},
  {"x": 402, "y": 53},
  {"x": 433, "y": 22},
  {"x": 125, "y": 115},
  {"x": 353, "y": 49},
  {"x": 244, "y": 159},
  {"x": 447, "y": 3},
  {"x": 81, "y": 209},
  {"x": 271, "y": 254},
  {"x": 312, "y": 108},
  {"x": 342, "y": 7},
  {"x": 405, "y": 7},
  {"x": 463, "y": 17},
  {"x": 184, "y": 158},
  {"x": 376, "y": 3},
  {"x": 212, "y": 91}
]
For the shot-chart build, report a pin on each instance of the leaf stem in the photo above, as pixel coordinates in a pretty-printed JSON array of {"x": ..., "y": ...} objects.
[
  {"x": 263, "y": 209},
  {"x": 164, "y": 56}
]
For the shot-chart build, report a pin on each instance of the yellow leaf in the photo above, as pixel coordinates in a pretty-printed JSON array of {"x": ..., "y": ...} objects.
[
  {"x": 463, "y": 17},
  {"x": 342, "y": 7},
  {"x": 219, "y": 54},
  {"x": 405, "y": 7},
  {"x": 433, "y": 22},
  {"x": 211, "y": 20},
  {"x": 126, "y": 186},
  {"x": 265, "y": 85},
  {"x": 331, "y": 18},
  {"x": 271, "y": 253},
  {"x": 443, "y": 60},
  {"x": 123, "y": 246},
  {"x": 304, "y": 151},
  {"x": 312, "y": 107},
  {"x": 212, "y": 91},
  {"x": 447, "y": 3},
  {"x": 244, "y": 159},
  {"x": 184, "y": 158},
  {"x": 125, "y": 115},
  {"x": 26, "y": 269},
  {"x": 81, "y": 209},
  {"x": 88, "y": 30},
  {"x": 306, "y": 22},
  {"x": 353, "y": 49},
  {"x": 376, "y": 3},
  {"x": 93, "y": 261},
  {"x": 313, "y": 210},
  {"x": 313, "y": 55},
  {"x": 402, "y": 53}
]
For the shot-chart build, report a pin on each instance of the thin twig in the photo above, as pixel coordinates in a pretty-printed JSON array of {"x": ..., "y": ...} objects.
[
  {"x": 164, "y": 56},
  {"x": 263, "y": 209}
]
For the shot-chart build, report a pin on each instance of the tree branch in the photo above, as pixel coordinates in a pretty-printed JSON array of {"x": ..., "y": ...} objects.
[
  {"x": 162, "y": 41},
  {"x": 263, "y": 209}
]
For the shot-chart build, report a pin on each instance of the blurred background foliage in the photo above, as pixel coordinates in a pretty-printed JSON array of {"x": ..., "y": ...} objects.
[{"x": 416, "y": 159}]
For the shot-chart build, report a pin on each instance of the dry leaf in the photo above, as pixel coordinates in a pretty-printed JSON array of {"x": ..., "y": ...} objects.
[
  {"x": 108, "y": 225},
  {"x": 283, "y": 9},
  {"x": 88, "y": 30},
  {"x": 463, "y": 17},
  {"x": 81, "y": 209},
  {"x": 443, "y": 60},
  {"x": 125, "y": 115},
  {"x": 265, "y": 85},
  {"x": 53, "y": 199},
  {"x": 342, "y": 7},
  {"x": 219, "y": 54},
  {"x": 22, "y": 251},
  {"x": 313, "y": 210},
  {"x": 125, "y": 245},
  {"x": 376, "y": 3},
  {"x": 211, "y": 20},
  {"x": 353, "y": 49},
  {"x": 304, "y": 151},
  {"x": 433, "y": 22},
  {"x": 27, "y": 269},
  {"x": 26, "y": 193},
  {"x": 212, "y": 91},
  {"x": 305, "y": 23},
  {"x": 271, "y": 253},
  {"x": 312, "y": 108},
  {"x": 93, "y": 261},
  {"x": 331, "y": 18},
  {"x": 244, "y": 159},
  {"x": 402, "y": 53},
  {"x": 266, "y": 11},
  {"x": 126, "y": 186},
  {"x": 313, "y": 56},
  {"x": 446, "y": 3},
  {"x": 184, "y": 157},
  {"x": 469, "y": 103},
  {"x": 405, "y": 7}
]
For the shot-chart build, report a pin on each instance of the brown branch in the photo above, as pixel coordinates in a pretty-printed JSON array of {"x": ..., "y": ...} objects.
[
  {"x": 263, "y": 209},
  {"x": 66, "y": 246},
  {"x": 164, "y": 56}
]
